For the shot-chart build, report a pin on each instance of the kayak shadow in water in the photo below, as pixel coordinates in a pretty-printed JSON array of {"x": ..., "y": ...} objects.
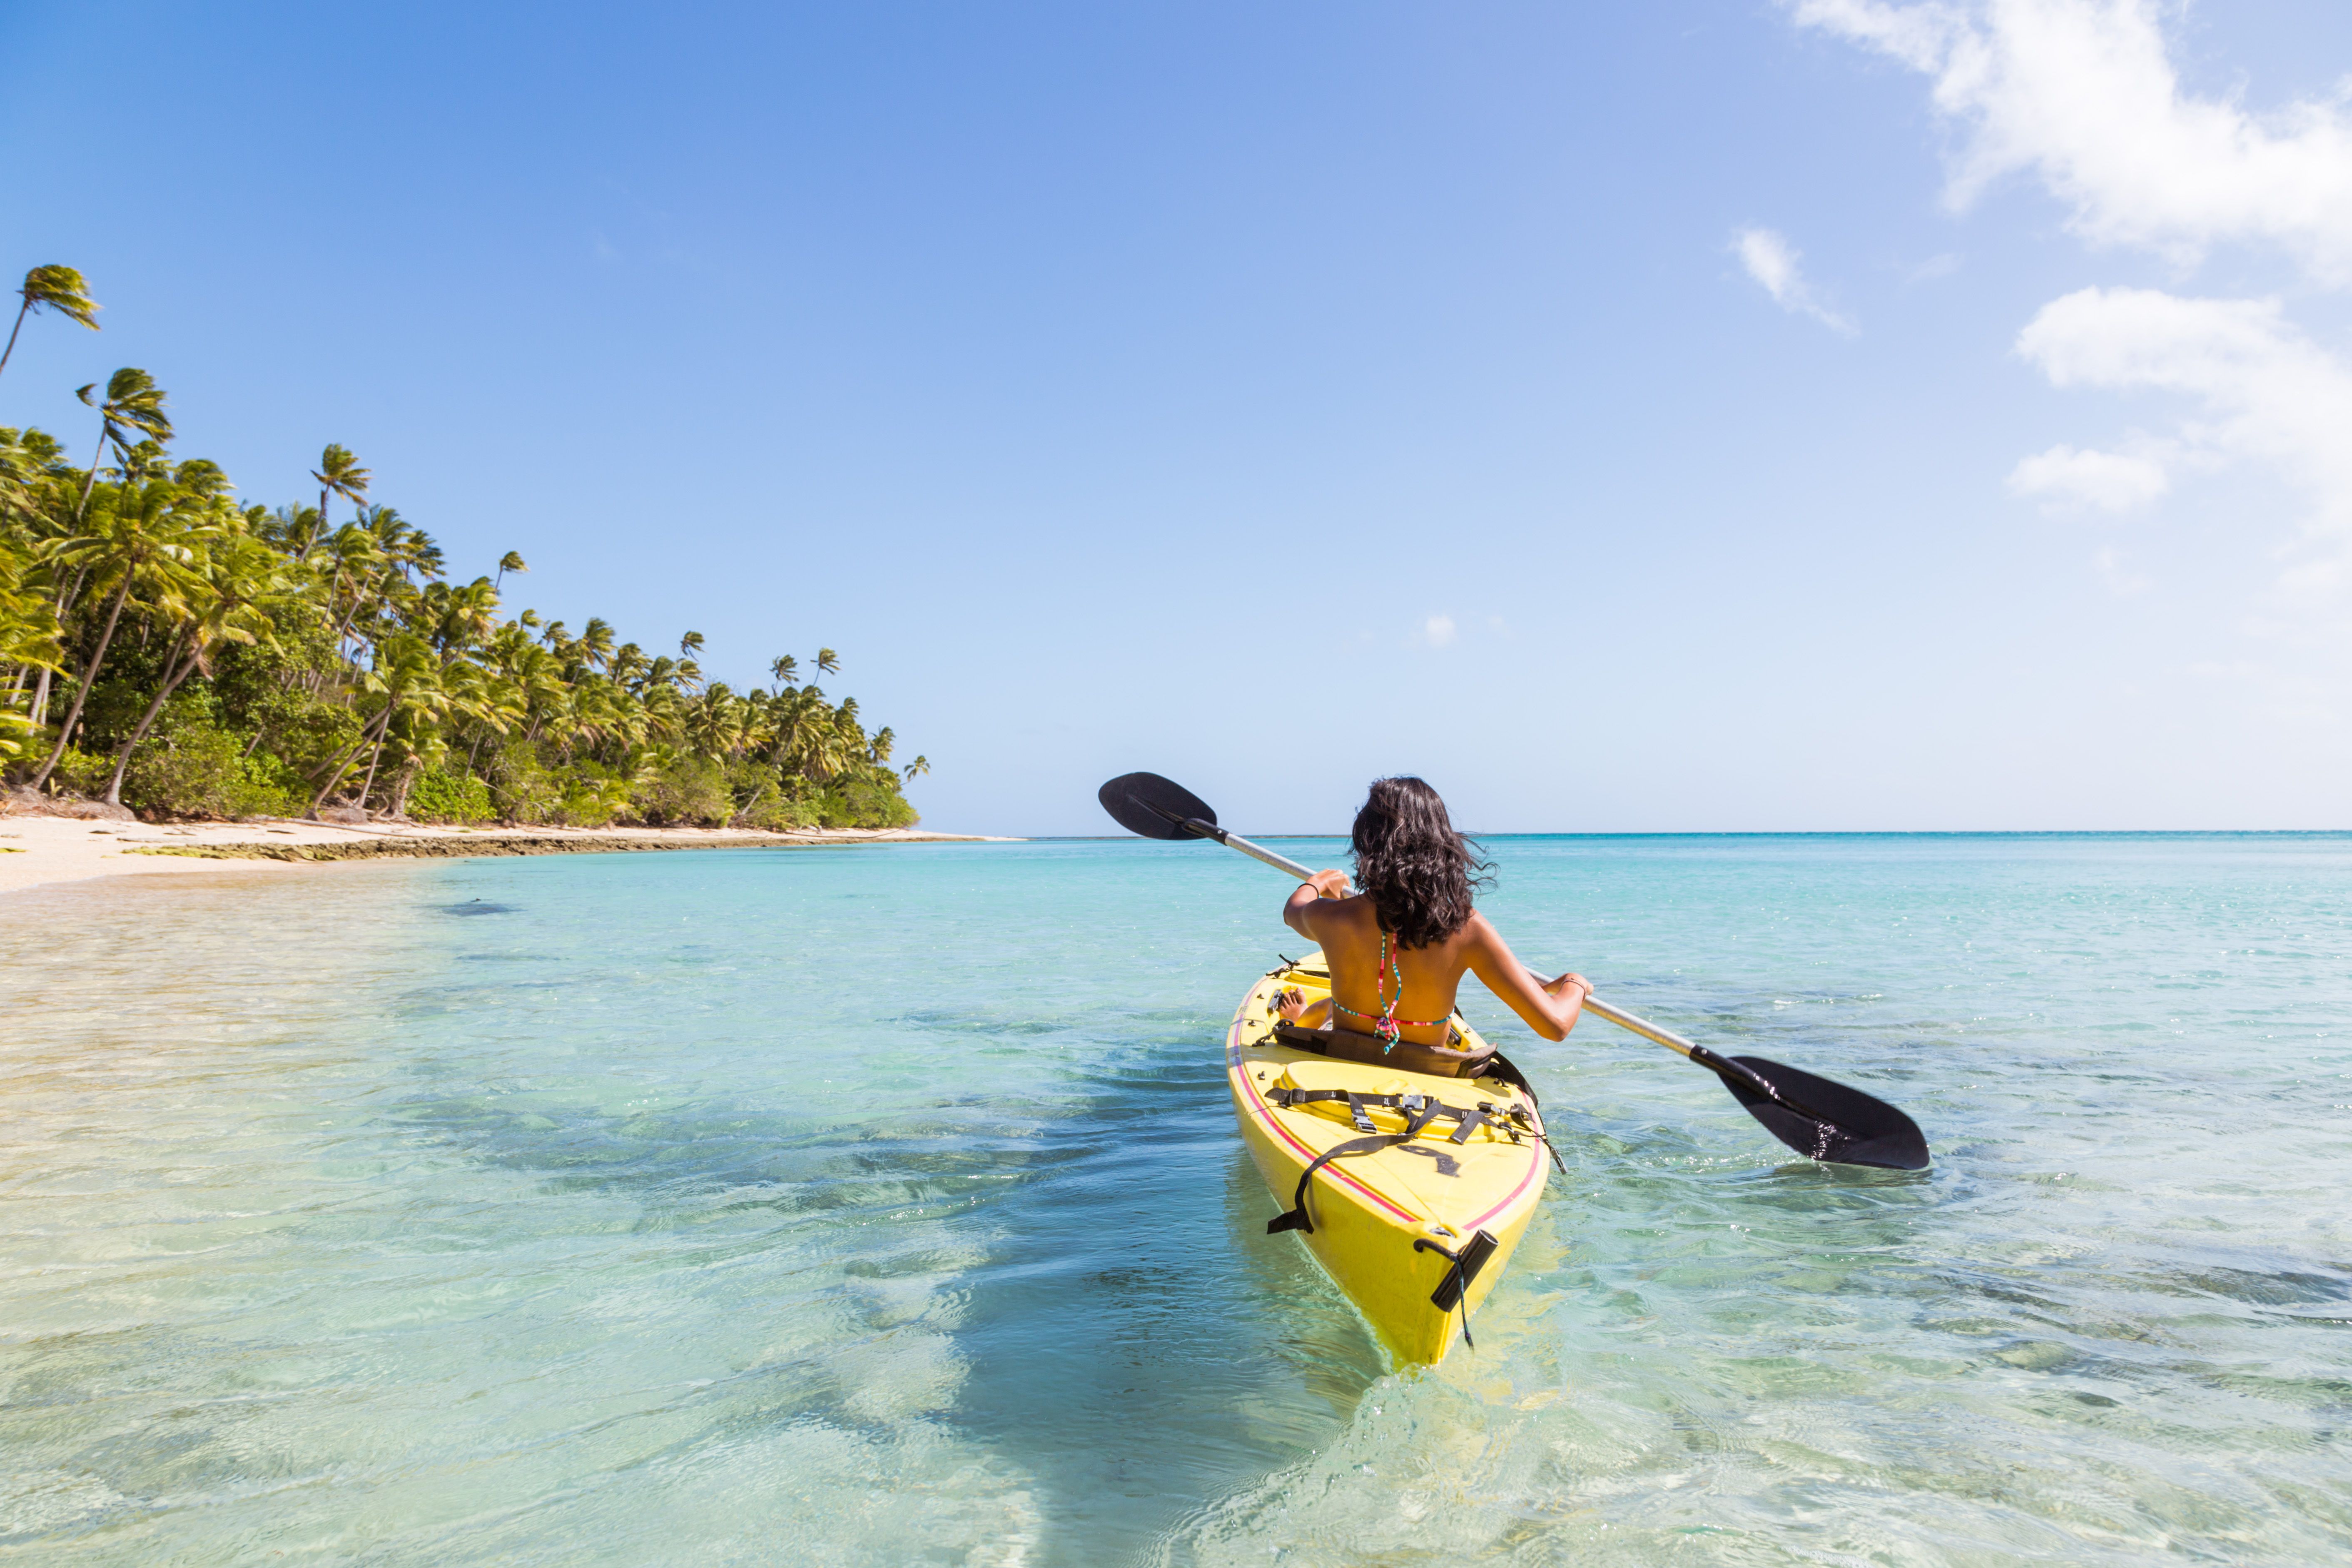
[
  {"x": 1157, "y": 1350},
  {"x": 1091, "y": 1257}
]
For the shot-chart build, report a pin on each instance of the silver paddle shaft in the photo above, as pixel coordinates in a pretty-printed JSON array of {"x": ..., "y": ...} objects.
[
  {"x": 1235, "y": 841},
  {"x": 1592, "y": 1004}
]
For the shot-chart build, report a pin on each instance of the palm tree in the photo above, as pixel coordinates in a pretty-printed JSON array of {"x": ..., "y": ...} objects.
[
  {"x": 595, "y": 642},
  {"x": 338, "y": 474},
  {"x": 920, "y": 766},
  {"x": 409, "y": 678},
  {"x": 828, "y": 661},
  {"x": 358, "y": 560},
  {"x": 30, "y": 639},
  {"x": 786, "y": 669},
  {"x": 510, "y": 561},
  {"x": 224, "y": 601},
  {"x": 59, "y": 288},
  {"x": 138, "y": 532},
  {"x": 133, "y": 402},
  {"x": 457, "y": 619}
]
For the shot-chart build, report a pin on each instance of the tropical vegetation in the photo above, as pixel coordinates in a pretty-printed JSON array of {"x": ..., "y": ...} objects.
[{"x": 167, "y": 647}]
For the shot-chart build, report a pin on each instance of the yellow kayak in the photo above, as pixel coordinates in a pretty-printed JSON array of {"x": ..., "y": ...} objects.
[{"x": 1416, "y": 1188}]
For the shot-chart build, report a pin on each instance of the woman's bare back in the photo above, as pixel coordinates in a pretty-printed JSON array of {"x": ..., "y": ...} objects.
[{"x": 1348, "y": 930}]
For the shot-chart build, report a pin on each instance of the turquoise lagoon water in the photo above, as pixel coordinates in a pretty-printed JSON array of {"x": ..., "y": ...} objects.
[{"x": 884, "y": 1206}]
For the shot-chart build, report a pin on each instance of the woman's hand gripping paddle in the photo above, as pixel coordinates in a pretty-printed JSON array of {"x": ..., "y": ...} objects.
[{"x": 1819, "y": 1118}]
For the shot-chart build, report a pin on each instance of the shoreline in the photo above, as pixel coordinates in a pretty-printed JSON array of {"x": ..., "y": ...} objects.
[{"x": 38, "y": 851}]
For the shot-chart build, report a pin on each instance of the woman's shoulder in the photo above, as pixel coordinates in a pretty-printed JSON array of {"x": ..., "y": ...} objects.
[{"x": 1476, "y": 932}]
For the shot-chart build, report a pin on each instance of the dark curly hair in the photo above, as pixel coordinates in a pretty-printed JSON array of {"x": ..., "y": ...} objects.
[{"x": 1418, "y": 872}]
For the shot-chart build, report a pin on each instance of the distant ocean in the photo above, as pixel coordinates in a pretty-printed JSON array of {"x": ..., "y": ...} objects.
[{"x": 883, "y": 1205}]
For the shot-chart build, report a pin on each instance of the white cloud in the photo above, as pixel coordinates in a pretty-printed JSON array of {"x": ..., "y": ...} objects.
[
  {"x": 1773, "y": 262},
  {"x": 1438, "y": 631},
  {"x": 2083, "y": 92},
  {"x": 2110, "y": 481},
  {"x": 2265, "y": 392}
]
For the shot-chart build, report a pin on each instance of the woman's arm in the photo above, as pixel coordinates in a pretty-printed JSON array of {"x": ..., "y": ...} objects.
[
  {"x": 1549, "y": 1008},
  {"x": 1299, "y": 912}
]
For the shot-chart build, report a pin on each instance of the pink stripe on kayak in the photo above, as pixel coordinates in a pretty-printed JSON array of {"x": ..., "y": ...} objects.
[
  {"x": 1233, "y": 1059},
  {"x": 1533, "y": 1167}
]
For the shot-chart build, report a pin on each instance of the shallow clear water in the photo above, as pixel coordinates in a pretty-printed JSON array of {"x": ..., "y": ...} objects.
[{"x": 884, "y": 1206}]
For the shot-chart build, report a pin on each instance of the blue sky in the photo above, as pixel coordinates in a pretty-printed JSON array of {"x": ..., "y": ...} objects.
[{"x": 1680, "y": 416}]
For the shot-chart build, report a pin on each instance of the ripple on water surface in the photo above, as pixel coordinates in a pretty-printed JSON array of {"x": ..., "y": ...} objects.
[{"x": 884, "y": 1206}]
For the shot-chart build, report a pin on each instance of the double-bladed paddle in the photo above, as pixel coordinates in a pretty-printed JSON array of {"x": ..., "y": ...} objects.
[{"x": 1819, "y": 1118}]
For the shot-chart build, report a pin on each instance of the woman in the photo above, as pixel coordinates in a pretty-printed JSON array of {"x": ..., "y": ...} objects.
[{"x": 1398, "y": 948}]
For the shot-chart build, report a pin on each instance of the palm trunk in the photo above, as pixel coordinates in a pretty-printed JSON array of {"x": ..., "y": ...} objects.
[
  {"x": 408, "y": 772},
  {"x": 22, "y": 311},
  {"x": 65, "y": 608},
  {"x": 89, "y": 481},
  {"x": 175, "y": 672},
  {"x": 88, "y": 678},
  {"x": 374, "y": 757},
  {"x": 344, "y": 630},
  {"x": 342, "y": 764}
]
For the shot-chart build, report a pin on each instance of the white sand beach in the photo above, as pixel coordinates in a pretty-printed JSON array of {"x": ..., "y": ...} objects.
[{"x": 38, "y": 851}]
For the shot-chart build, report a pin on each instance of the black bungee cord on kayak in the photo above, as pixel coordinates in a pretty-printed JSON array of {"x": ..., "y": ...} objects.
[{"x": 1454, "y": 1291}]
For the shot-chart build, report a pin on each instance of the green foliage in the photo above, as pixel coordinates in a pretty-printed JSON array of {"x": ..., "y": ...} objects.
[
  {"x": 593, "y": 797},
  {"x": 436, "y": 796},
  {"x": 190, "y": 766},
  {"x": 862, "y": 803},
  {"x": 521, "y": 788},
  {"x": 772, "y": 813},
  {"x": 688, "y": 791},
  {"x": 82, "y": 773},
  {"x": 761, "y": 801}
]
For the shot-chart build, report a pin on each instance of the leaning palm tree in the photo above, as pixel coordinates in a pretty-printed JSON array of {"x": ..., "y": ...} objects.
[
  {"x": 133, "y": 402},
  {"x": 510, "y": 561},
  {"x": 408, "y": 677},
  {"x": 137, "y": 535},
  {"x": 59, "y": 288},
  {"x": 223, "y": 597},
  {"x": 338, "y": 474},
  {"x": 596, "y": 642},
  {"x": 31, "y": 639}
]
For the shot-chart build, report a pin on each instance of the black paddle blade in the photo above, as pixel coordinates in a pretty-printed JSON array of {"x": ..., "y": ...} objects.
[
  {"x": 1825, "y": 1120},
  {"x": 1155, "y": 807}
]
